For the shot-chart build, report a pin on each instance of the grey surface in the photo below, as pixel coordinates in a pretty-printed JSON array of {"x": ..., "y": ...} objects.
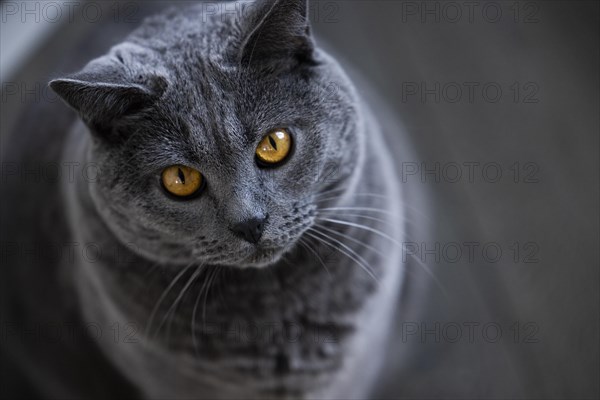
[{"x": 559, "y": 294}]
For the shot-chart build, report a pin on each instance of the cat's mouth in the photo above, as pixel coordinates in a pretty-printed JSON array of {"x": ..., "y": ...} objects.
[
  {"x": 264, "y": 256},
  {"x": 255, "y": 256}
]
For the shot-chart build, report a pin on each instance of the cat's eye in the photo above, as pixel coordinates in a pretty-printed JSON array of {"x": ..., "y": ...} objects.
[
  {"x": 182, "y": 181},
  {"x": 274, "y": 148}
]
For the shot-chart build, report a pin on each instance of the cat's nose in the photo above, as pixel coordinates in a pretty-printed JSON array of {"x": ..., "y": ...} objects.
[{"x": 251, "y": 229}]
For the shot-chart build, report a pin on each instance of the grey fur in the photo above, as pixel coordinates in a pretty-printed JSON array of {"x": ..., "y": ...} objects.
[{"x": 178, "y": 91}]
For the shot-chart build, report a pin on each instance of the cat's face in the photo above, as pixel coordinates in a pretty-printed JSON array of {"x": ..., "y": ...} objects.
[{"x": 180, "y": 129}]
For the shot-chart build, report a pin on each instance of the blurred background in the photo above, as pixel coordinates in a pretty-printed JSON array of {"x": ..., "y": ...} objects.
[{"x": 499, "y": 161}]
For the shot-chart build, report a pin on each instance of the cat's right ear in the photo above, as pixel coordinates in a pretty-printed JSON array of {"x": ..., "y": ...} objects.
[
  {"x": 104, "y": 91},
  {"x": 276, "y": 33}
]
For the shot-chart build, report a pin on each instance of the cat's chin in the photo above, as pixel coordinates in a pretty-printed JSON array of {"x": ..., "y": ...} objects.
[
  {"x": 262, "y": 258},
  {"x": 249, "y": 257}
]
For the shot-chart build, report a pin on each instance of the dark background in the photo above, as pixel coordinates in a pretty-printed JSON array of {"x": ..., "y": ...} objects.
[{"x": 543, "y": 292}]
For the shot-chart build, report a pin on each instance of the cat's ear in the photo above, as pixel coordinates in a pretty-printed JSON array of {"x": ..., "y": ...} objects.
[
  {"x": 276, "y": 32},
  {"x": 105, "y": 91}
]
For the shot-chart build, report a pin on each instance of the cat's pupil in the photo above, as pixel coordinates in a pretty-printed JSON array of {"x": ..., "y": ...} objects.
[
  {"x": 273, "y": 142},
  {"x": 181, "y": 175}
]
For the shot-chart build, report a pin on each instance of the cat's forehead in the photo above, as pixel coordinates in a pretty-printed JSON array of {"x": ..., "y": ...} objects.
[
  {"x": 217, "y": 103},
  {"x": 204, "y": 118}
]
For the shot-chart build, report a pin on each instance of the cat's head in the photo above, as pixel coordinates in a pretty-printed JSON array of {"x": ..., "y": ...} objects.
[{"x": 213, "y": 133}]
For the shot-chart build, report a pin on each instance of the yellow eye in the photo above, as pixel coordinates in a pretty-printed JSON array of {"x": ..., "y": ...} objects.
[
  {"x": 274, "y": 147},
  {"x": 182, "y": 181}
]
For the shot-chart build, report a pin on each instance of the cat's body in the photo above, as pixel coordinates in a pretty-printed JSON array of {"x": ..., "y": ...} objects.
[{"x": 303, "y": 320}]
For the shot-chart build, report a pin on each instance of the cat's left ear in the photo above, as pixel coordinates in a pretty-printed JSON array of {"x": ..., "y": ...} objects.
[
  {"x": 106, "y": 90},
  {"x": 276, "y": 32}
]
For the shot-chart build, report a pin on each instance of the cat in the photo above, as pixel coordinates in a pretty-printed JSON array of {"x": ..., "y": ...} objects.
[{"x": 265, "y": 279}]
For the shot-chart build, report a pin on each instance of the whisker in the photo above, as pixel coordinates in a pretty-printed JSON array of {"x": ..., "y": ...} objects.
[
  {"x": 385, "y": 236},
  {"x": 366, "y": 246},
  {"x": 375, "y": 231},
  {"x": 307, "y": 246},
  {"x": 359, "y": 260},
  {"x": 361, "y": 226},
  {"x": 315, "y": 198},
  {"x": 163, "y": 296},
  {"x": 194, "y": 312},
  {"x": 171, "y": 310},
  {"x": 211, "y": 278},
  {"x": 383, "y": 221},
  {"x": 377, "y": 251},
  {"x": 325, "y": 192},
  {"x": 374, "y": 195},
  {"x": 331, "y": 191},
  {"x": 369, "y": 209}
]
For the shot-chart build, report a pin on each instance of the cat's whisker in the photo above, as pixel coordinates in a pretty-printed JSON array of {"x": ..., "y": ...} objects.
[
  {"x": 391, "y": 239},
  {"x": 211, "y": 279},
  {"x": 171, "y": 310},
  {"x": 366, "y": 209},
  {"x": 400, "y": 204},
  {"x": 373, "y": 195},
  {"x": 151, "y": 274},
  {"x": 203, "y": 289},
  {"x": 316, "y": 200},
  {"x": 164, "y": 294},
  {"x": 306, "y": 245},
  {"x": 310, "y": 198},
  {"x": 344, "y": 211},
  {"x": 363, "y": 244},
  {"x": 340, "y": 189},
  {"x": 349, "y": 252},
  {"x": 430, "y": 273},
  {"x": 193, "y": 324},
  {"x": 361, "y": 226},
  {"x": 379, "y": 252},
  {"x": 380, "y": 220},
  {"x": 195, "y": 309}
]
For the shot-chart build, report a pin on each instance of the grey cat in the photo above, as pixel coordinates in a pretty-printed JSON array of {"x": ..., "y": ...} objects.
[{"x": 269, "y": 280}]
